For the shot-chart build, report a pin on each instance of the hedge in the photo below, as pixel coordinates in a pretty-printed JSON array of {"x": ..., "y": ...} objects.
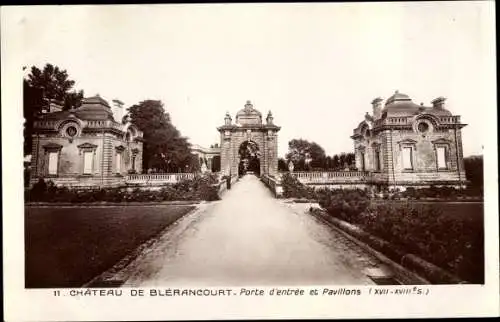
[
  {"x": 454, "y": 243},
  {"x": 292, "y": 188},
  {"x": 199, "y": 188}
]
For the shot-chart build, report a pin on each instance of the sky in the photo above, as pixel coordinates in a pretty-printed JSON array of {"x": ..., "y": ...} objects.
[{"x": 317, "y": 67}]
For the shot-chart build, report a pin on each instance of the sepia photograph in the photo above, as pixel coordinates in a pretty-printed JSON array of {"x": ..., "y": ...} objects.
[{"x": 245, "y": 150}]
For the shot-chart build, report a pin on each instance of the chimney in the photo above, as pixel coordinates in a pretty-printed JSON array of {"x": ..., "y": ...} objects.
[
  {"x": 438, "y": 103},
  {"x": 117, "y": 110},
  {"x": 377, "y": 108}
]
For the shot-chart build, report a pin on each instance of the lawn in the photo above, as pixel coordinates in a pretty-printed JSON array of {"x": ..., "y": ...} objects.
[{"x": 67, "y": 247}]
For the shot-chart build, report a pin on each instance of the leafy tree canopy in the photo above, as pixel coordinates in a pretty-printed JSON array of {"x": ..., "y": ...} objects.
[
  {"x": 474, "y": 171},
  {"x": 164, "y": 147},
  {"x": 310, "y": 156},
  {"x": 305, "y": 154},
  {"x": 41, "y": 86}
]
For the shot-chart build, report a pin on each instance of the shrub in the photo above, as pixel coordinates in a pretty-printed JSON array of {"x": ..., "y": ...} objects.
[
  {"x": 444, "y": 193},
  {"x": 344, "y": 204},
  {"x": 199, "y": 188},
  {"x": 293, "y": 188},
  {"x": 38, "y": 191},
  {"x": 452, "y": 243}
]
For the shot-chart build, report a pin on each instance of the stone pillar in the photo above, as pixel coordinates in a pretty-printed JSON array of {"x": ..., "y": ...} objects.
[
  {"x": 265, "y": 156},
  {"x": 233, "y": 152},
  {"x": 35, "y": 155},
  {"x": 225, "y": 155},
  {"x": 274, "y": 160}
]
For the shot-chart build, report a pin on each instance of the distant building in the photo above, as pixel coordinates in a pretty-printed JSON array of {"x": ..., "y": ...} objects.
[
  {"x": 86, "y": 146},
  {"x": 208, "y": 156},
  {"x": 404, "y": 144}
]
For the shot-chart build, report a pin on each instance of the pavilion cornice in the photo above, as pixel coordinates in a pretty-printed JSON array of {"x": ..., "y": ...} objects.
[{"x": 103, "y": 129}]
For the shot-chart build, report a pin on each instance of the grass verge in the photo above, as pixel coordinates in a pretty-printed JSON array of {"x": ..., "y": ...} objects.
[{"x": 67, "y": 247}]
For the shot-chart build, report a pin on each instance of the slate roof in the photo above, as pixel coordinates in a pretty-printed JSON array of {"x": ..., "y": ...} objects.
[
  {"x": 92, "y": 109},
  {"x": 399, "y": 105}
]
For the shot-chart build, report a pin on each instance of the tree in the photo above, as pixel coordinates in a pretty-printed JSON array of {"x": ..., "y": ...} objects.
[
  {"x": 350, "y": 159},
  {"x": 55, "y": 84},
  {"x": 192, "y": 164},
  {"x": 336, "y": 162},
  {"x": 282, "y": 166},
  {"x": 342, "y": 160},
  {"x": 300, "y": 151},
  {"x": 328, "y": 163},
  {"x": 39, "y": 88},
  {"x": 164, "y": 147},
  {"x": 474, "y": 171}
]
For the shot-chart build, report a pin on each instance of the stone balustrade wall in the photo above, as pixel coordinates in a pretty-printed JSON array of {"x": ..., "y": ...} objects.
[{"x": 158, "y": 178}]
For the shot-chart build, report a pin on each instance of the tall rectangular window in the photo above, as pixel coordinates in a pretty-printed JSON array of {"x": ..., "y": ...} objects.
[
  {"x": 118, "y": 162},
  {"x": 87, "y": 162},
  {"x": 407, "y": 158},
  {"x": 441, "y": 157},
  {"x": 133, "y": 162},
  {"x": 53, "y": 162},
  {"x": 362, "y": 161},
  {"x": 377, "y": 160}
]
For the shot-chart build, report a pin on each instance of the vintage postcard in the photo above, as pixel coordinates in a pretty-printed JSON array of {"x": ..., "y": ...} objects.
[{"x": 247, "y": 161}]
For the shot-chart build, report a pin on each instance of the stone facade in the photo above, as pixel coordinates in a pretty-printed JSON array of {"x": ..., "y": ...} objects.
[
  {"x": 404, "y": 144},
  {"x": 86, "y": 146},
  {"x": 206, "y": 155},
  {"x": 249, "y": 127}
]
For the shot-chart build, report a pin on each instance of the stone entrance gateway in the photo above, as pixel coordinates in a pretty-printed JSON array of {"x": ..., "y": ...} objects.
[{"x": 248, "y": 127}]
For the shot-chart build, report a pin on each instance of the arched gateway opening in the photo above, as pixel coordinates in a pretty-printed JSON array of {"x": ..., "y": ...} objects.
[
  {"x": 248, "y": 144},
  {"x": 249, "y": 156}
]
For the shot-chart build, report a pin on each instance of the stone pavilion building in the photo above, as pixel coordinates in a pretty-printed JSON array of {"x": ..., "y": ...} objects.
[
  {"x": 404, "y": 144},
  {"x": 207, "y": 156},
  {"x": 88, "y": 146}
]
